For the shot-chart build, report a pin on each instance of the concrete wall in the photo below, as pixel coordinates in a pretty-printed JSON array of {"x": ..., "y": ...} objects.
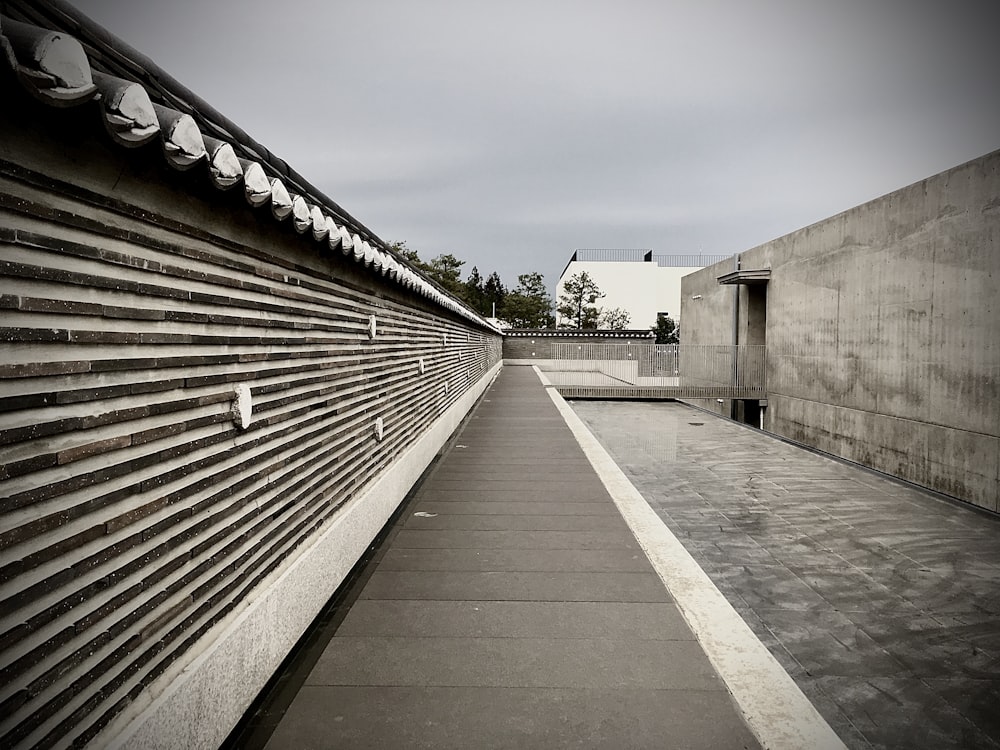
[
  {"x": 882, "y": 329},
  {"x": 159, "y": 553}
]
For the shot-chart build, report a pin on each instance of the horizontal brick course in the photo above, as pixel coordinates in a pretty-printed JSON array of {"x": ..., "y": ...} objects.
[{"x": 153, "y": 514}]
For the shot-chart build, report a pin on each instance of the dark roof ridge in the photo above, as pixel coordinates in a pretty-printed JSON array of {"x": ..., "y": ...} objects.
[{"x": 82, "y": 48}]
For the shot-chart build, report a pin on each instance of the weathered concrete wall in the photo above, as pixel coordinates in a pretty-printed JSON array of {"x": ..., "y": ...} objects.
[
  {"x": 159, "y": 557},
  {"x": 882, "y": 328}
]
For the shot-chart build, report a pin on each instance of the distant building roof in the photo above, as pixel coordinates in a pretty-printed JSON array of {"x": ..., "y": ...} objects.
[{"x": 637, "y": 255}]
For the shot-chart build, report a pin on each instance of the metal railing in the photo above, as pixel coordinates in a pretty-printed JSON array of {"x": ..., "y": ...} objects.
[
  {"x": 670, "y": 371},
  {"x": 634, "y": 255},
  {"x": 611, "y": 255},
  {"x": 690, "y": 260}
]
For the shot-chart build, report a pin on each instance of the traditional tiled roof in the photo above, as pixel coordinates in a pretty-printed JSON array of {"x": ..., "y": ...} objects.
[{"x": 65, "y": 60}]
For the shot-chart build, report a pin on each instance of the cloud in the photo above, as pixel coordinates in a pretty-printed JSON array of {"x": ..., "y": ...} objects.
[{"x": 511, "y": 133}]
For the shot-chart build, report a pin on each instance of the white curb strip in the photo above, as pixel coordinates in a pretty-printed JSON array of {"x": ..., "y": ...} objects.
[{"x": 775, "y": 708}]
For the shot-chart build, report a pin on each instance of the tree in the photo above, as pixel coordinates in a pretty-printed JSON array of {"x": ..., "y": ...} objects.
[
  {"x": 410, "y": 256},
  {"x": 446, "y": 271},
  {"x": 475, "y": 293},
  {"x": 577, "y": 302},
  {"x": 494, "y": 293},
  {"x": 616, "y": 319},
  {"x": 666, "y": 330},
  {"x": 528, "y": 306}
]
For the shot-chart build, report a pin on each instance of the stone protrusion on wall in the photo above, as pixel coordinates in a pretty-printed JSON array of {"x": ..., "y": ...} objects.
[{"x": 242, "y": 405}]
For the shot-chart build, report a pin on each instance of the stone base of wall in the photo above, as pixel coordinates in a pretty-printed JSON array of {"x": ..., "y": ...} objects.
[{"x": 198, "y": 703}]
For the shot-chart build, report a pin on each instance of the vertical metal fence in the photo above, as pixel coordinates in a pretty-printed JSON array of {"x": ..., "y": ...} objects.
[{"x": 697, "y": 371}]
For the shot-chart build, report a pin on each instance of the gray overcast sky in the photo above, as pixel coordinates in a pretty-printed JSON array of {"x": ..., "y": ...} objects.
[{"x": 511, "y": 132}]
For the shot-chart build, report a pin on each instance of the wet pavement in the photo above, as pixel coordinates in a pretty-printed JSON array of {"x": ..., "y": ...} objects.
[{"x": 881, "y": 601}]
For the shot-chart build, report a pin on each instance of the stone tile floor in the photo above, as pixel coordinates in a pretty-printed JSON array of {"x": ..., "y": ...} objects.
[{"x": 880, "y": 600}]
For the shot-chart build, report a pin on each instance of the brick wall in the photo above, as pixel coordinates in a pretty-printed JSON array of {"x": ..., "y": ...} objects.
[{"x": 139, "y": 516}]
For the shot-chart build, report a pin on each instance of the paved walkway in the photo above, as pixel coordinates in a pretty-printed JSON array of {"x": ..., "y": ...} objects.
[
  {"x": 880, "y": 600},
  {"x": 512, "y": 607}
]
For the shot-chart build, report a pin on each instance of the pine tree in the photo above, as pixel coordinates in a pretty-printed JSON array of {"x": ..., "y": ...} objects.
[
  {"x": 529, "y": 305},
  {"x": 666, "y": 330},
  {"x": 577, "y": 306},
  {"x": 475, "y": 293},
  {"x": 446, "y": 271},
  {"x": 494, "y": 293}
]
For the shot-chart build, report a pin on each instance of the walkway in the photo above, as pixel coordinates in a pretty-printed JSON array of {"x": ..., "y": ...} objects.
[
  {"x": 880, "y": 600},
  {"x": 512, "y": 607}
]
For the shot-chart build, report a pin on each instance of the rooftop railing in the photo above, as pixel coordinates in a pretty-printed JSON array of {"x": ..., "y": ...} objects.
[
  {"x": 633, "y": 255},
  {"x": 655, "y": 370},
  {"x": 691, "y": 260},
  {"x": 613, "y": 255}
]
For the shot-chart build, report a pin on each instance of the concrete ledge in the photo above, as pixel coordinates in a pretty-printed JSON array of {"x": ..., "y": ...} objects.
[{"x": 198, "y": 702}]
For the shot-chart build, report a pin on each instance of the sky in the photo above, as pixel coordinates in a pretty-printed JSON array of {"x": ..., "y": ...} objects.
[{"x": 512, "y": 132}]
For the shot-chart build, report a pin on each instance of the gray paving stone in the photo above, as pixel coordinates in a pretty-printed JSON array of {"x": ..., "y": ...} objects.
[
  {"x": 423, "y": 519},
  {"x": 976, "y": 700},
  {"x": 927, "y": 646},
  {"x": 848, "y": 589},
  {"x": 417, "y": 539},
  {"x": 523, "y": 614},
  {"x": 512, "y": 508},
  {"x": 590, "y": 488},
  {"x": 515, "y": 619},
  {"x": 467, "y": 457},
  {"x": 880, "y": 600},
  {"x": 438, "y": 718},
  {"x": 541, "y": 474},
  {"x": 489, "y": 493},
  {"x": 462, "y": 459},
  {"x": 829, "y": 643},
  {"x": 510, "y": 560},
  {"x": 518, "y": 586},
  {"x": 914, "y": 716},
  {"x": 515, "y": 662}
]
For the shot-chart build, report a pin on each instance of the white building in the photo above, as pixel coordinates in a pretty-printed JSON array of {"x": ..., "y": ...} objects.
[{"x": 640, "y": 282}]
